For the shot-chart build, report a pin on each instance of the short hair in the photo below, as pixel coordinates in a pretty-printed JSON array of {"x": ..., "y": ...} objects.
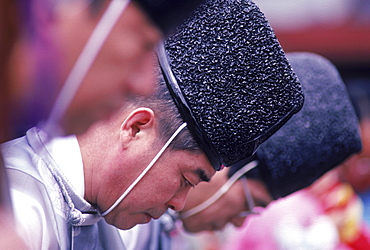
[{"x": 168, "y": 116}]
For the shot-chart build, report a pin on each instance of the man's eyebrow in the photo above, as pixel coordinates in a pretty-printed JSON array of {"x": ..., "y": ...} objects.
[{"x": 202, "y": 175}]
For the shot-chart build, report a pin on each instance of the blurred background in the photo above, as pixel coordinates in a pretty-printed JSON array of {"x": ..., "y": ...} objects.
[{"x": 336, "y": 29}]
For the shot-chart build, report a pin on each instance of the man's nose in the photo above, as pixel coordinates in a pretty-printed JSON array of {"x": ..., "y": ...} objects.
[{"x": 177, "y": 202}]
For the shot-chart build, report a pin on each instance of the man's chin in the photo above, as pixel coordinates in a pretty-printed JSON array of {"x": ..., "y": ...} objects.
[
  {"x": 126, "y": 227},
  {"x": 192, "y": 229},
  {"x": 141, "y": 218},
  {"x": 129, "y": 227}
]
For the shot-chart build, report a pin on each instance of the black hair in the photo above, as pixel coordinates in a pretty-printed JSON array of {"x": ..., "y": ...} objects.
[{"x": 169, "y": 118}]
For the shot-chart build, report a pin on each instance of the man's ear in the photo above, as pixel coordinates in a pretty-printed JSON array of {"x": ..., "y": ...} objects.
[{"x": 137, "y": 124}]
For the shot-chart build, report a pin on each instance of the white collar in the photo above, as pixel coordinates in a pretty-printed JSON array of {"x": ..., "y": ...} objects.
[{"x": 66, "y": 153}]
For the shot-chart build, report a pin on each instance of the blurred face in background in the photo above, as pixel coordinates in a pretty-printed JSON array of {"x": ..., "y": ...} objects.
[
  {"x": 46, "y": 53},
  {"x": 124, "y": 65},
  {"x": 228, "y": 208}
]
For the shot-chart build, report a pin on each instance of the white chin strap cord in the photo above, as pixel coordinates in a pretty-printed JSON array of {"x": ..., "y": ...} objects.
[
  {"x": 83, "y": 64},
  {"x": 146, "y": 169},
  {"x": 225, "y": 187}
]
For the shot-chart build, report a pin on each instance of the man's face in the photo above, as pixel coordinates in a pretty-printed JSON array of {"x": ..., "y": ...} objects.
[
  {"x": 166, "y": 185},
  {"x": 227, "y": 209},
  {"x": 124, "y": 65}
]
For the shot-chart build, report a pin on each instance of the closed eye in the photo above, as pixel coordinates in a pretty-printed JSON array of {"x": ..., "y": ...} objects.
[{"x": 188, "y": 183}]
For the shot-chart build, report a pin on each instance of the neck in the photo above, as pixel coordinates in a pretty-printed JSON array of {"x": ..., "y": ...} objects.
[{"x": 94, "y": 153}]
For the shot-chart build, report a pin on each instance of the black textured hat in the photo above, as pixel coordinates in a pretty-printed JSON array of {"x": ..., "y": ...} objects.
[
  {"x": 321, "y": 136},
  {"x": 230, "y": 79},
  {"x": 167, "y": 14}
]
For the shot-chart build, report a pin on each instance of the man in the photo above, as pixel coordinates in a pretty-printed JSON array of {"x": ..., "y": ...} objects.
[{"x": 60, "y": 190}]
